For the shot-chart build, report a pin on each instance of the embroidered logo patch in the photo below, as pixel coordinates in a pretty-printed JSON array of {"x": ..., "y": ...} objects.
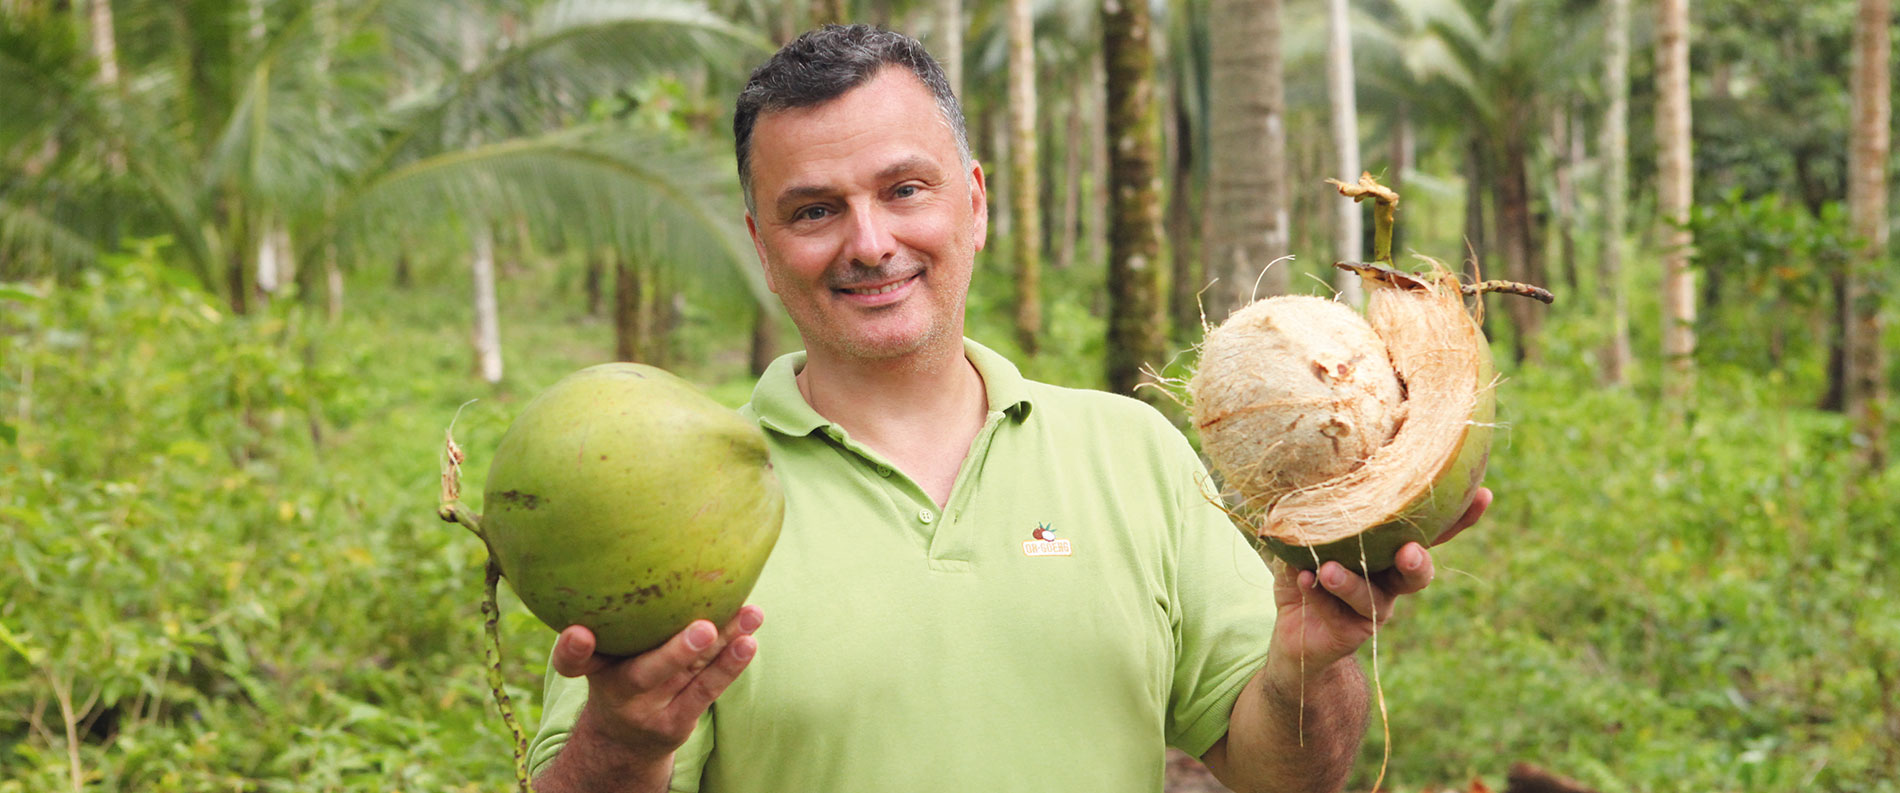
[{"x": 1045, "y": 543}]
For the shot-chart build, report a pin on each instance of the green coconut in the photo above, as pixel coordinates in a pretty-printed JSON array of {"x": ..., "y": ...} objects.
[
  {"x": 1361, "y": 507},
  {"x": 625, "y": 500}
]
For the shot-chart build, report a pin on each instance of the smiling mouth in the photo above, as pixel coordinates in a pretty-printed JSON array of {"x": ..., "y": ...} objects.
[{"x": 879, "y": 290}]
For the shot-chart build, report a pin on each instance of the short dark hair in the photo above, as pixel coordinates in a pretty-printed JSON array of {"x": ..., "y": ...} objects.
[{"x": 826, "y": 63}]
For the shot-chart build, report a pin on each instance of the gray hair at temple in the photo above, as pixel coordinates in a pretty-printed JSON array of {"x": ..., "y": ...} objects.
[{"x": 825, "y": 64}]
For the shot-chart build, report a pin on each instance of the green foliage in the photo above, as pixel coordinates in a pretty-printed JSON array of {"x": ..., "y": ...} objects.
[
  {"x": 1659, "y": 606},
  {"x": 222, "y": 550},
  {"x": 1768, "y": 272}
]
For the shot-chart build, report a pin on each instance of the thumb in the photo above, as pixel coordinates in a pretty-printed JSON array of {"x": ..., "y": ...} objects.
[{"x": 574, "y": 653}]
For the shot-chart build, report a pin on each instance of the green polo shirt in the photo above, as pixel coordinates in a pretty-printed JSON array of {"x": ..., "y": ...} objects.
[{"x": 1076, "y": 607}]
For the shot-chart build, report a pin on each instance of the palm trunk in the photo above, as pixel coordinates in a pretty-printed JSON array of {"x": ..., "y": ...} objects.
[
  {"x": 1024, "y": 191},
  {"x": 1349, "y": 225},
  {"x": 1616, "y": 166},
  {"x": 333, "y": 283},
  {"x": 1674, "y": 175},
  {"x": 950, "y": 42},
  {"x": 1184, "y": 285},
  {"x": 629, "y": 342},
  {"x": 1512, "y": 194},
  {"x": 1865, "y": 373},
  {"x": 1404, "y": 151},
  {"x": 1072, "y": 148},
  {"x": 764, "y": 338},
  {"x": 1567, "y": 140},
  {"x": 1134, "y": 134},
  {"x": 1247, "y": 198},
  {"x": 596, "y": 271},
  {"x": 487, "y": 338},
  {"x": 105, "y": 50}
]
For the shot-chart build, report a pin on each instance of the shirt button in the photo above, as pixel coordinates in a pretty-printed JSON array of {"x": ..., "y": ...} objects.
[
  {"x": 883, "y": 470},
  {"x": 926, "y": 516}
]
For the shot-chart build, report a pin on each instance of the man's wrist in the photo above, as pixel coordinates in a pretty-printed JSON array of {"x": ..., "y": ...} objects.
[
  {"x": 1285, "y": 682},
  {"x": 593, "y": 757}
]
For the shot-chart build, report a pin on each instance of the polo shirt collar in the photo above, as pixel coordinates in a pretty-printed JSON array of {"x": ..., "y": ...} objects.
[{"x": 783, "y": 409}]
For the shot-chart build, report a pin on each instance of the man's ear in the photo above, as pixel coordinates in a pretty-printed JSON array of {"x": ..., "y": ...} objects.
[
  {"x": 752, "y": 227},
  {"x": 979, "y": 205}
]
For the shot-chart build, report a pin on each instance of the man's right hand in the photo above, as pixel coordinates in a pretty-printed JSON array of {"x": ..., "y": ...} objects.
[{"x": 641, "y": 708}]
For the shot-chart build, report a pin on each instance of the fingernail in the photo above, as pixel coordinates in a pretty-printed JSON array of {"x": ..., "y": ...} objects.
[
  {"x": 1335, "y": 577},
  {"x": 700, "y": 635},
  {"x": 744, "y": 647},
  {"x": 750, "y": 620}
]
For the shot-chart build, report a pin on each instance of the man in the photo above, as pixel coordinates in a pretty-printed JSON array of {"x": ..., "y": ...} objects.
[{"x": 983, "y": 583}]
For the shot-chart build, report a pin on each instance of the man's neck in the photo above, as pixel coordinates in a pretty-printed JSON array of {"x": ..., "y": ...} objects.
[
  {"x": 866, "y": 396},
  {"x": 920, "y": 413}
]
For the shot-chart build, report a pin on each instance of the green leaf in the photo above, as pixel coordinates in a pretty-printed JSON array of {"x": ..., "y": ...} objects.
[
  {"x": 9, "y": 433},
  {"x": 17, "y": 292}
]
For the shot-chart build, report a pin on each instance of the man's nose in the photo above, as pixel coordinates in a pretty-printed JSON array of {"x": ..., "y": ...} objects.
[{"x": 870, "y": 243}]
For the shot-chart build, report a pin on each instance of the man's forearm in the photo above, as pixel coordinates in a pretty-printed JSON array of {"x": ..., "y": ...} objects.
[
  {"x": 593, "y": 764},
  {"x": 1282, "y": 739}
]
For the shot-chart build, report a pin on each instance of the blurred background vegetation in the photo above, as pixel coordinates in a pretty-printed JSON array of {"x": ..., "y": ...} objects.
[{"x": 255, "y": 253}]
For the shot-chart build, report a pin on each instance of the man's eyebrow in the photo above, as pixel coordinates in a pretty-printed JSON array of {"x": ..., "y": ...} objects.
[{"x": 913, "y": 164}]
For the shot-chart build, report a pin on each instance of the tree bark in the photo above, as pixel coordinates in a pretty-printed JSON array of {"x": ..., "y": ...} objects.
[
  {"x": 1184, "y": 256},
  {"x": 487, "y": 338},
  {"x": 333, "y": 283},
  {"x": 764, "y": 339},
  {"x": 1024, "y": 191},
  {"x": 1512, "y": 194},
  {"x": 105, "y": 50},
  {"x": 1616, "y": 176},
  {"x": 1134, "y": 134},
  {"x": 629, "y": 342},
  {"x": 950, "y": 42},
  {"x": 590, "y": 282},
  {"x": 1072, "y": 147},
  {"x": 1674, "y": 184},
  {"x": 1404, "y": 153},
  {"x": 1349, "y": 219},
  {"x": 1865, "y": 373},
  {"x": 1567, "y": 139},
  {"x": 1247, "y": 198}
]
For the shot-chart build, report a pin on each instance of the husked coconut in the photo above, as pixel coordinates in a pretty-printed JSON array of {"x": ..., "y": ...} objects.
[
  {"x": 1344, "y": 437},
  {"x": 1291, "y": 392}
]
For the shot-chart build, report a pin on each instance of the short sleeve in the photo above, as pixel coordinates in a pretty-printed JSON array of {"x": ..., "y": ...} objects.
[
  {"x": 1222, "y": 609},
  {"x": 562, "y": 700}
]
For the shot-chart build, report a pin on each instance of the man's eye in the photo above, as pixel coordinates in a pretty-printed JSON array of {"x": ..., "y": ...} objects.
[
  {"x": 811, "y": 213},
  {"x": 905, "y": 190}
]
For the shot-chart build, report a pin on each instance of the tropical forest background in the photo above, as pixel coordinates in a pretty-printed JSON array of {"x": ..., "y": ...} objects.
[{"x": 256, "y": 254}]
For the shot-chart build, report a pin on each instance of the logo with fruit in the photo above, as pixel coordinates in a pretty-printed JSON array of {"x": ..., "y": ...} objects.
[{"x": 1044, "y": 543}]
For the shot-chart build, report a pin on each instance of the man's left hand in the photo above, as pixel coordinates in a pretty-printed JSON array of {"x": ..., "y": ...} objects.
[{"x": 1325, "y": 615}]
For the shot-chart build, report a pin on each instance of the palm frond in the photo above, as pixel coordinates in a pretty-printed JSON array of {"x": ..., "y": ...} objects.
[{"x": 588, "y": 187}]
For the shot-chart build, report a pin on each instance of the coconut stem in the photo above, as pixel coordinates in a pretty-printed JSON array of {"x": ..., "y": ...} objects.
[
  {"x": 452, "y": 510},
  {"x": 1385, "y": 209},
  {"x": 491, "y": 624}
]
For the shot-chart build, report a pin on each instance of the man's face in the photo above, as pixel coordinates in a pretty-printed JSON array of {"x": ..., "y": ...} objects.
[{"x": 866, "y": 220}]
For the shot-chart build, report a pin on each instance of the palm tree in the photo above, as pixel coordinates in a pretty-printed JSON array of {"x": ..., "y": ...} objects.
[
  {"x": 1026, "y": 237},
  {"x": 1616, "y": 174},
  {"x": 1247, "y": 192},
  {"x": 224, "y": 142},
  {"x": 1488, "y": 67},
  {"x": 1349, "y": 231},
  {"x": 1134, "y": 135},
  {"x": 1867, "y": 201},
  {"x": 1675, "y": 170}
]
